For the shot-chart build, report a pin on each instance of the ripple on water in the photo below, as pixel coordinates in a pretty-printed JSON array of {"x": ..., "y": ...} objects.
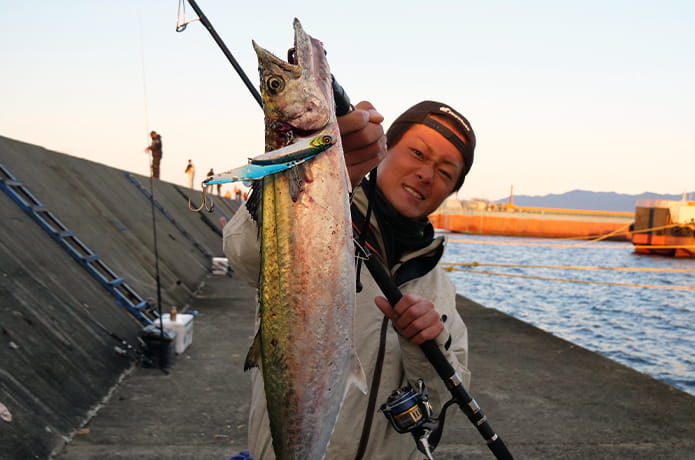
[{"x": 648, "y": 329}]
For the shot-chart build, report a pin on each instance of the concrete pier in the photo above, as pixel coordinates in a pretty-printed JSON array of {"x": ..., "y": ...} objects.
[
  {"x": 72, "y": 398},
  {"x": 546, "y": 398}
]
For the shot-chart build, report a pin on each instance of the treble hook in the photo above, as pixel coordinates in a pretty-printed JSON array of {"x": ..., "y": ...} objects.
[
  {"x": 181, "y": 24},
  {"x": 208, "y": 207}
]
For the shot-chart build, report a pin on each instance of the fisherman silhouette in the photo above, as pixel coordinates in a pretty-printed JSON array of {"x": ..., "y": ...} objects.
[{"x": 155, "y": 149}]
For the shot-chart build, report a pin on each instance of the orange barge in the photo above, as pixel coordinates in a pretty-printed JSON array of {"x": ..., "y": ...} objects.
[
  {"x": 536, "y": 222},
  {"x": 664, "y": 227}
]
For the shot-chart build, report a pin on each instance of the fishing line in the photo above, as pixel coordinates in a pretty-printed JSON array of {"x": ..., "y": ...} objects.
[
  {"x": 181, "y": 21},
  {"x": 154, "y": 216},
  {"x": 144, "y": 79}
]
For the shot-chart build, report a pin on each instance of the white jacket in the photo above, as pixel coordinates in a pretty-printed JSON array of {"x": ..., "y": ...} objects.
[{"x": 403, "y": 362}]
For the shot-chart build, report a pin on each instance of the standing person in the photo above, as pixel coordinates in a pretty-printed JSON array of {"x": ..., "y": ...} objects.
[
  {"x": 155, "y": 149},
  {"x": 209, "y": 175},
  {"x": 190, "y": 172},
  {"x": 430, "y": 151},
  {"x": 219, "y": 186}
]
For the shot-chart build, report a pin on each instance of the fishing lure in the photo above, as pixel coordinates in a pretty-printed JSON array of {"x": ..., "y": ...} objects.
[
  {"x": 276, "y": 160},
  {"x": 271, "y": 162}
]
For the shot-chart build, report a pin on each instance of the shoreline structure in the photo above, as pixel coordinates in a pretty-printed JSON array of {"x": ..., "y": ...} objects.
[{"x": 71, "y": 395}]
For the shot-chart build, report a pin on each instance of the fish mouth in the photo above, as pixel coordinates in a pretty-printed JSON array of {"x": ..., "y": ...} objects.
[
  {"x": 285, "y": 127},
  {"x": 288, "y": 134}
]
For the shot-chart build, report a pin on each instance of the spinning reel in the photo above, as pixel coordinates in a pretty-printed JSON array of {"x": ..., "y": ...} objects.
[{"x": 409, "y": 410}]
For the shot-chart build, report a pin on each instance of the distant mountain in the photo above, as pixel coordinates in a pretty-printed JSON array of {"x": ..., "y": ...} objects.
[{"x": 593, "y": 201}]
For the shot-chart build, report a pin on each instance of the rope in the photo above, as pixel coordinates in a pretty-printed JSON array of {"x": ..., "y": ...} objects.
[
  {"x": 624, "y": 230},
  {"x": 565, "y": 246},
  {"x": 653, "y": 229},
  {"x": 452, "y": 266},
  {"x": 590, "y": 239},
  {"x": 573, "y": 267},
  {"x": 618, "y": 231},
  {"x": 664, "y": 246},
  {"x": 543, "y": 278},
  {"x": 551, "y": 245}
]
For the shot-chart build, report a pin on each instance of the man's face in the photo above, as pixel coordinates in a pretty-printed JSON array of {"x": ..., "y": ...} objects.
[{"x": 419, "y": 172}]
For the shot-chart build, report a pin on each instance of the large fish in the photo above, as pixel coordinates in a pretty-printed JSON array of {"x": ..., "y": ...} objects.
[{"x": 307, "y": 281}]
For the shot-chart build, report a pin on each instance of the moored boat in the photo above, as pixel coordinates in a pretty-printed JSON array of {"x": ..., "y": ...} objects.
[
  {"x": 664, "y": 227},
  {"x": 510, "y": 220}
]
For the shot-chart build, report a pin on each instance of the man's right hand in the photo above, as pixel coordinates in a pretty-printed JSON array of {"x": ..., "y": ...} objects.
[{"x": 364, "y": 141}]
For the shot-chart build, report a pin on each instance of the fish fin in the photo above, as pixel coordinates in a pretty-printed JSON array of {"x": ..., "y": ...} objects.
[
  {"x": 295, "y": 178},
  {"x": 357, "y": 377},
  {"x": 253, "y": 357},
  {"x": 254, "y": 202}
]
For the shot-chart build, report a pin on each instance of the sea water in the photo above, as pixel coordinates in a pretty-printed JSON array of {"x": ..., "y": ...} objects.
[{"x": 599, "y": 295}]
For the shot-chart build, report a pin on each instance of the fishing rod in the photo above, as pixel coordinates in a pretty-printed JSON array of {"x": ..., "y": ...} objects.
[
  {"x": 204, "y": 20},
  {"x": 446, "y": 372},
  {"x": 124, "y": 348},
  {"x": 342, "y": 102},
  {"x": 428, "y": 428}
]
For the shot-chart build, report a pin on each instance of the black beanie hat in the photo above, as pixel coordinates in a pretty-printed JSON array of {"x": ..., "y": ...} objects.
[{"x": 420, "y": 113}]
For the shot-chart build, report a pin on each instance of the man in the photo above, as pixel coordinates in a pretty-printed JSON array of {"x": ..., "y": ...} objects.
[
  {"x": 430, "y": 152},
  {"x": 155, "y": 149}
]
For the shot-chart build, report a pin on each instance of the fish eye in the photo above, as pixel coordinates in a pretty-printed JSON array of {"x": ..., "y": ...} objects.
[{"x": 275, "y": 84}]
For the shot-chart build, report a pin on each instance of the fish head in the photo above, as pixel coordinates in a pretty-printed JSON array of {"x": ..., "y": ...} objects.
[{"x": 297, "y": 94}]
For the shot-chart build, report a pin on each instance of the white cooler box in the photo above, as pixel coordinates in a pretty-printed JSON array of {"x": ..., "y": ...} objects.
[
  {"x": 183, "y": 326},
  {"x": 220, "y": 265}
]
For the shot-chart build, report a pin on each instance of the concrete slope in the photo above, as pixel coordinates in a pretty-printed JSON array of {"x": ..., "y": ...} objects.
[{"x": 57, "y": 354}]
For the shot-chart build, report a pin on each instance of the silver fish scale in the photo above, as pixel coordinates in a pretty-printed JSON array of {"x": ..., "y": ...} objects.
[{"x": 307, "y": 287}]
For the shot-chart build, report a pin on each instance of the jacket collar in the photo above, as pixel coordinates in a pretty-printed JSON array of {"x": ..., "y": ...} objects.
[{"x": 412, "y": 264}]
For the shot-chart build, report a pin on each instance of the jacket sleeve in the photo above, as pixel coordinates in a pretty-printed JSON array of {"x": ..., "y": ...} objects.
[
  {"x": 242, "y": 247},
  {"x": 452, "y": 341}
]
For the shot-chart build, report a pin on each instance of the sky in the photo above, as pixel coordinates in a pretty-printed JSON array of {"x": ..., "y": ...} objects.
[{"x": 594, "y": 95}]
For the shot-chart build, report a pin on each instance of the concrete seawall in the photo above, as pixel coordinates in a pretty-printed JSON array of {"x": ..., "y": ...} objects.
[
  {"x": 58, "y": 359},
  {"x": 62, "y": 381}
]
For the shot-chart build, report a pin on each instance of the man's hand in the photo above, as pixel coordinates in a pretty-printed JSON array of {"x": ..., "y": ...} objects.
[
  {"x": 364, "y": 142},
  {"x": 413, "y": 317}
]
